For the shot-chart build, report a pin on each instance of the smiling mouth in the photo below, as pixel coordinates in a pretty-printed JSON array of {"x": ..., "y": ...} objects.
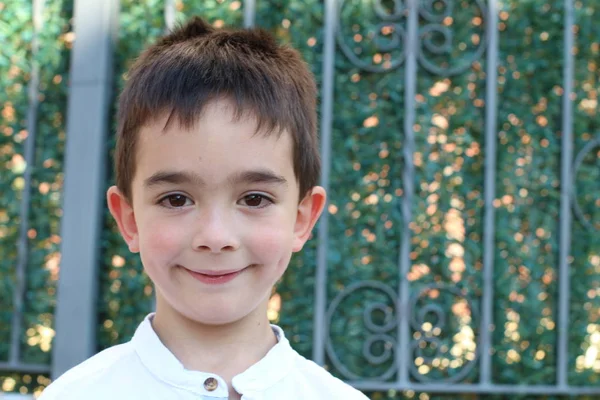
[{"x": 216, "y": 277}]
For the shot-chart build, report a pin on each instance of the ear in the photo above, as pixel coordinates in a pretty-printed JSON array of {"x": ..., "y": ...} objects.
[
  {"x": 123, "y": 214},
  {"x": 309, "y": 210}
]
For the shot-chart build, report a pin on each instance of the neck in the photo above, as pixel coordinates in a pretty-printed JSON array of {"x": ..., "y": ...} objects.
[{"x": 226, "y": 350}]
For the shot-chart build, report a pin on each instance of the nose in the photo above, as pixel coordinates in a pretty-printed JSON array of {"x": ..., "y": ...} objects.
[{"x": 215, "y": 233}]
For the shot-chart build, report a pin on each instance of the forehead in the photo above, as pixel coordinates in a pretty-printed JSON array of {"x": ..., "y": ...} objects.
[{"x": 220, "y": 140}]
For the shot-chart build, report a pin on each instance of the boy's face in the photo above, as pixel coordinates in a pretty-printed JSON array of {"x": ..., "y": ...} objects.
[{"x": 215, "y": 214}]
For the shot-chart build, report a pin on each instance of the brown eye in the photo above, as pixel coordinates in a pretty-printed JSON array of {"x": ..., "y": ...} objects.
[
  {"x": 176, "y": 200},
  {"x": 256, "y": 201},
  {"x": 253, "y": 200}
]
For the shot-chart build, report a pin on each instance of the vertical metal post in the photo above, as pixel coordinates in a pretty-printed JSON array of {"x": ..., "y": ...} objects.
[
  {"x": 323, "y": 231},
  {"x": 169, "y": 14},
  {"x": 408, "y": 176},
  {"x": 249, "y": 13},
  {"x": 32, "y": 111},
  {"x": 564, "y": 287},
  {"x": 489, "y": 190},
  {"x": 87, "y": 127}
]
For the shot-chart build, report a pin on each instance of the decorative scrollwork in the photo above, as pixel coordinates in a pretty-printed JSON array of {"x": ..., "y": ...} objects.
[
  {"x": 377, "y": 333},
  {"x": 435, "y": 332},
  {"x": 587, "y": 222},
  {"x": 430, "y": 322},
  {"x": 428, "y": 11},
  {"x": 443, "y": 49}
]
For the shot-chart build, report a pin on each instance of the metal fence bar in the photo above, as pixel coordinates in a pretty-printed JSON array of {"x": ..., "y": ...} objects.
[
  {"x": 446, "y": 388},
  {"x": 319, "y": 323},
  {"x": 564, "y": 287},
  {"x": 249, "y": 13},
  {"x": 22, "y": 244},
  {"x": 169, "y": 14},
  {"x": 489, "y": 195},
  {"x": 24, "y": 367},
  {"x": 16, "y": 396},
  {"x": 408, "y": 175},
  {"x": 85, "y": 158}
]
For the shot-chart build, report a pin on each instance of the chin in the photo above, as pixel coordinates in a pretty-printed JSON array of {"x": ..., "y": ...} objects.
[
  {"x": 214, "y": 315},
  {"x": 217, "y": 319}
]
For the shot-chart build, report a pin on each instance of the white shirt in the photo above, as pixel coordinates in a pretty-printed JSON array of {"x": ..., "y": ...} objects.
[{"x": 145, "y": 369}]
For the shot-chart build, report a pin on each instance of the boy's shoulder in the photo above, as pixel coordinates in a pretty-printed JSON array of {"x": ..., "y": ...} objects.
[
  {"x": 88, "y": 379},
  {"x": 327, "y": 385},
  {"x": 120, "y": 373}
]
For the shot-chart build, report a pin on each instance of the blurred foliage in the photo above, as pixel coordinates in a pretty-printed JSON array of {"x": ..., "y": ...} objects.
[
  {"x": 14, "y": 104},
  {"x": 43, "y": 227},
  {"x": 527, "y": 242},
  {"x": 367, "y": 186}
]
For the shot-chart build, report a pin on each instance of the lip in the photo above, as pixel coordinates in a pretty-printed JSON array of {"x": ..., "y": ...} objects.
[{"x": 215, "y": 277}]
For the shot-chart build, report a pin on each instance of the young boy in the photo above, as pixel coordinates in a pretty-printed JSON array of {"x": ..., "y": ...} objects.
[{"x": 217, "y": 166}]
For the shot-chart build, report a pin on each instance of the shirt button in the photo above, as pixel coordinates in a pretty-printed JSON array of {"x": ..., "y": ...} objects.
[{"x": 211, "y": 384}]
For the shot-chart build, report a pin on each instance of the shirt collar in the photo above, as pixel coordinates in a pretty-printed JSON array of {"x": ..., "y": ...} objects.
[{"x": 159, "y": 360}]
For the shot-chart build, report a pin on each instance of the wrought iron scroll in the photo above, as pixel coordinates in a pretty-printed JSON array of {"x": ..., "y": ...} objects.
[
  {"x": 385, "y": 43},
  {"x": 386, "y": 40},
  {"x": 426, "y": 334},
  {"x": 377, "y": 332},
  {"x": 579, "y": 213}
]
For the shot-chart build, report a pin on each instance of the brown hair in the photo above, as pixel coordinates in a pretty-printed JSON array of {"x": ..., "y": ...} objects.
[{"x": 196, "y": 64}]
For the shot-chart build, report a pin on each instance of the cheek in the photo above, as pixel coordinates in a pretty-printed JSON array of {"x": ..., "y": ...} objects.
[
  {"x": 160, "y": 238},
  {"x": 271, "y": 242},
  {"x": 273, "y": 249}
]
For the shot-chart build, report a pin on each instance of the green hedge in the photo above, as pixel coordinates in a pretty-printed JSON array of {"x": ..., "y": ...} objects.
[{"x": 43, "y": 255}]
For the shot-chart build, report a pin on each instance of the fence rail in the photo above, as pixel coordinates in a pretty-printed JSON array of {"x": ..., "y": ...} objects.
[
  {"x": 407, "y": 376},
  {"x": 14, "y": 363}
]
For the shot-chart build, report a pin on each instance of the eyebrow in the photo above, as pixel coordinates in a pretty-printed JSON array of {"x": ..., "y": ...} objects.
[{"x": 185, "y": 177}]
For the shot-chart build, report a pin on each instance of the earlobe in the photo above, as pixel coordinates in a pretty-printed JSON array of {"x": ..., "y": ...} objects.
[
  {"x": 309, "y": 211},
  {"x": 123, "y": 214}
]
